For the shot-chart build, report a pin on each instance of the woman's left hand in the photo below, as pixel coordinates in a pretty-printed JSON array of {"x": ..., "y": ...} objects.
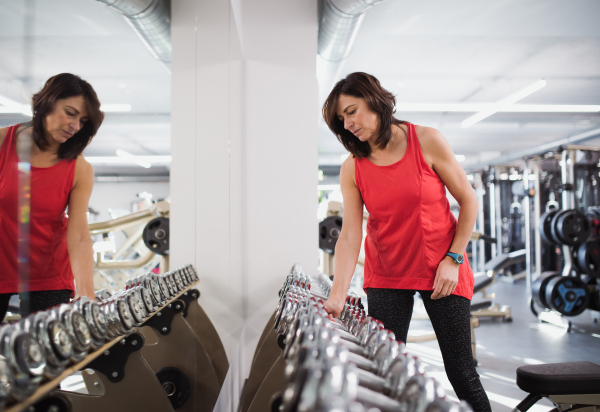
[{"x": 446, "y": 278}]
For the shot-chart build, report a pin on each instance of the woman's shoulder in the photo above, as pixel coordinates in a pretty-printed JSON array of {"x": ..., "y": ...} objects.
[
  {"x": 3, "y": 133},
  {"x": 84, "y": 172}
]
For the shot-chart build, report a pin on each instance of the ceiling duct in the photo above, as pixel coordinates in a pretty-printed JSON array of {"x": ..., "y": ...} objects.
[
  {"x": 151, "y": 20},
  {"x": 338, "y": 26}
]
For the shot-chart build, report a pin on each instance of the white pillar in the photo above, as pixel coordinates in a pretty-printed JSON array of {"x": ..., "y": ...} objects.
[{"x": 244, "y": 146}]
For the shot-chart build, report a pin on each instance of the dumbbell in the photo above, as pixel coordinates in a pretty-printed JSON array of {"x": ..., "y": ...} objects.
[
  {"x": 118, "y": 317},
  {"x": 295, "y": 298},
  {"x": 76, "y": 327},
  {"x": 6, "y": 379},
  {"x": 151, "y": 287},
  {"x": 135, "y": 305},
  {"x": 295, "y": 303},
  {"x": 386, "y": 373},
  {"x": 54, "y": 339},
  {"x": 95, "y": 319},
  {"x": 444, "y": 405},
  {"x": 316, "y": 382},
  {"x": 25, "y": 361}
]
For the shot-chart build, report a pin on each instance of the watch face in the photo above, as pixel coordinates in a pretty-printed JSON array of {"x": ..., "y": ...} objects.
[{"x": 460, "y": 258}]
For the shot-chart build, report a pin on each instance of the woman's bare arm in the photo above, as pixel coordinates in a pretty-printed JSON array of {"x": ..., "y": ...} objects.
[
  {"x": 79, "y": 240},
  {"x": 348, "y": 245}
]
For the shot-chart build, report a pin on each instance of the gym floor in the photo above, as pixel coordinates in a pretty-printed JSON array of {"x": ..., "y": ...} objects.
[{"x": 504, "y": 346}]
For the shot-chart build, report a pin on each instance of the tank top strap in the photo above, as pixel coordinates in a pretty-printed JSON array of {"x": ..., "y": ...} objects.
[
  {"x": 8, "y": 151},
  {"x": 413, "y": 150}
]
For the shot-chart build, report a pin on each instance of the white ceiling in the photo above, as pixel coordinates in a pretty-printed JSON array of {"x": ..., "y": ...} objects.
[{"x": 430, "y": 51}]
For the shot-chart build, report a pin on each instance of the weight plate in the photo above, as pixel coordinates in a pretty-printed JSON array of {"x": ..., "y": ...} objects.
[
  {"x": 125, "y": 316},
  {"x": 156, "y": 235},
  {"x": 81, "y": 330},
  {"x": 571, "y": 227},
  {"x": 176, "y": 385},
  {"x": 164, "y": 289},
  {"x": 60, "y": 339},
  {"x": 587, "y": 257},
  {"x": 567, "y": 295},
  {"x": 329, "y": 232},
  {"x": 545, "y": 226},
  {"x": 29, "y": 355},
  {"x": 554, "y": 233},
  {"x": 538, "y": 288}
]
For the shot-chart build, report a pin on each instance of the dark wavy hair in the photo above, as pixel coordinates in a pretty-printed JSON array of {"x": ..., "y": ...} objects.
[
  {"x": 378, "y": 99},
  {"x": 64, "y": 86}
]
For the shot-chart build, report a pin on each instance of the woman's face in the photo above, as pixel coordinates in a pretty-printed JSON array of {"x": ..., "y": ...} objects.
[
  {"x": 357, "y": 117},
  {"x": 68, "y": 116}
]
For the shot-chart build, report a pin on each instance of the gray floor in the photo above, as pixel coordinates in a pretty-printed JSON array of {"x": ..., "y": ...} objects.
[{"x": 503, "y": 347}]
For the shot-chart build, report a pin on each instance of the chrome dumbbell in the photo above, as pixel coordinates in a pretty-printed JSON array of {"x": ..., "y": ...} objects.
[
  {"x": 76, "y": 327},
  {"x": 6, "y": 379},
  {"x": 387, "y": 373},
  {"x": 318, "y": 382},
  {"x": 135, "y": 305},
  {"x": 95, "y": 319},
  {"x": 25, "y": 359},
  {"x": 118, "y": 317},
  {"x": 55, "y": 341}
]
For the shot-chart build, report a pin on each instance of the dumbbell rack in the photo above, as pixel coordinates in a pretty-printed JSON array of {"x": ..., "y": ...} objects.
[{"x": 137, "y": 333}]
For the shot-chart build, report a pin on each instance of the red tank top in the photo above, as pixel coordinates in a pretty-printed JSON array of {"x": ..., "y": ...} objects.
[
  {"x": 410, "y": 226},
  {"x": 50, "y": 268}
]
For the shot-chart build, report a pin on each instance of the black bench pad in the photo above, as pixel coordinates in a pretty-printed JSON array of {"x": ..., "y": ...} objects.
[
  {"x": 504, "y": 260},
  {"x": 570, "y": 378}
]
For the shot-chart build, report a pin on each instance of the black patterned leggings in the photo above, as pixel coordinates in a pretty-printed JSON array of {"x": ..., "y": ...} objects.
[
  {"x": 35, "y": 301},
  {"x": 450, "y": 317}
]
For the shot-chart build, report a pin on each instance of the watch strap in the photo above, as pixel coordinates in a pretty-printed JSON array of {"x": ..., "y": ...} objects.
[{"x": 457, "y": 257}]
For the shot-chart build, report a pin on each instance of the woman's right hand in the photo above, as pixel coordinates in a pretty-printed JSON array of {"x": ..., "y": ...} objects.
[{"x": 334, "y": 307}]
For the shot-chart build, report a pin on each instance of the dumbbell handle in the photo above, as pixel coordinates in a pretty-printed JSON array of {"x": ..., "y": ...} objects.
[{"x": 376, "y": 399}]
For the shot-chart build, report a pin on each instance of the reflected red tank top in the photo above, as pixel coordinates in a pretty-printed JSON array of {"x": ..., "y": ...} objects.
[
  {"x": 50, "y": 268},
  {"x": 410, "y": 227}
]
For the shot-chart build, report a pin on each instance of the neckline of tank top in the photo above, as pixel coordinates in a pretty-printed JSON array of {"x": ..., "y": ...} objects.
[
  {"x": 32, "y": 167},
  {"x": 405, "y": 153}
]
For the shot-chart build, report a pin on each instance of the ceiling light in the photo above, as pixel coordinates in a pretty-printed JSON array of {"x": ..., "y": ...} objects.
[
  {"x": 115, "y": 108},
  {"x": 133, "y": 159},
  {"x": 108, "y": 160},
  {"x": 513, "y": 98},
  {"x": 513, "y": 108},
  {"x": 12, "y": 106},
  {"x": 460, "y": 158}
]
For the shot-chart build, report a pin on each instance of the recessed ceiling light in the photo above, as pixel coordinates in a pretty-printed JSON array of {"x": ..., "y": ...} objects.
[
  {"x": 133, "y": 158},
  {"x": 513, "y": 98}
]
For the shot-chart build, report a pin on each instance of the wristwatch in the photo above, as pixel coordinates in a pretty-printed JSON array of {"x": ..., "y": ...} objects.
[{"x": 457, "y": 257}]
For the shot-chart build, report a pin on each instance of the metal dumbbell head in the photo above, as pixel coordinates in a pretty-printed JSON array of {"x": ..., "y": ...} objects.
[
  {"x": 6, "y": 379},
  {"x": 55, "y": 342},
  {"x": 400, "y": 371},
  {"x": 25, "y": 358},
  {"x": 420, "y": 391},
  {"x": 96, "y": 321},
  {"x": 77, "y": 329},
  {"x": 164, "y": 289},
  {"x": 443, "y": 405}
]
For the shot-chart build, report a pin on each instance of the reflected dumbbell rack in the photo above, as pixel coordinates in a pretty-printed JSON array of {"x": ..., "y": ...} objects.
[{"x": 124, "y": 373}]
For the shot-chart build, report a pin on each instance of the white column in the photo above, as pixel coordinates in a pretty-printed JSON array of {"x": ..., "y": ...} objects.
[{"x": 244, "y": 146}]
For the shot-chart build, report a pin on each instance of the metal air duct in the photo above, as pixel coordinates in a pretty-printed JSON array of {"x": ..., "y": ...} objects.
[
  {"x": 151, "y": 20},
  {"x": 340, "y": 22},
  {"x": 338, "y": 26}
]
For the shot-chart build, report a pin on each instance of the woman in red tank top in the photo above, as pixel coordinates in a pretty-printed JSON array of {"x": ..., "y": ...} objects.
[
  {"x": 66, "y": 117},
  {"x": 400, "y": 173}
]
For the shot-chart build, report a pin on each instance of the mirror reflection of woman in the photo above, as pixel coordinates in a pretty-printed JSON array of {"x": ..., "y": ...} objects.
[{"x": 66, "y": 116}]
